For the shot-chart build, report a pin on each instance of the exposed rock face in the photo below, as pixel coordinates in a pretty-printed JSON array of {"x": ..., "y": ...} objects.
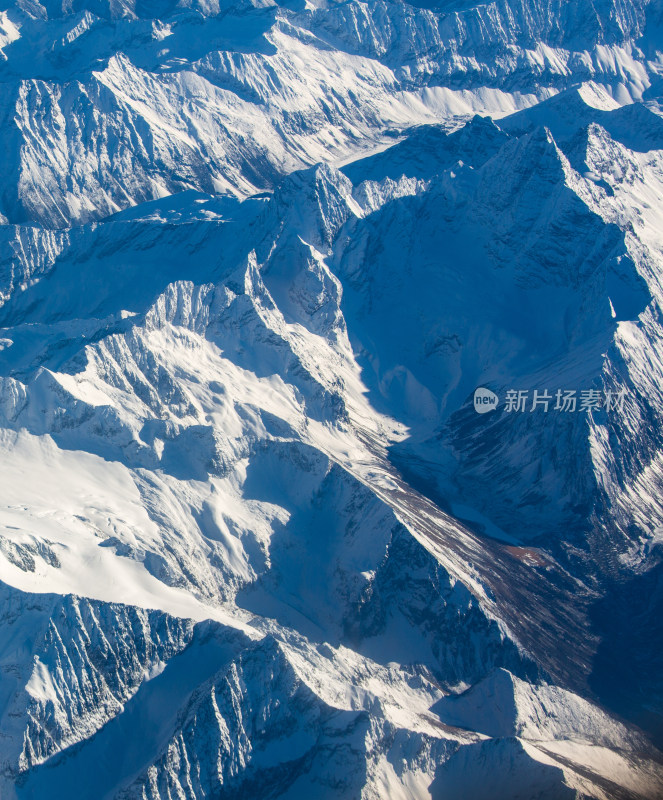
[{"x": 254, "y": 539}]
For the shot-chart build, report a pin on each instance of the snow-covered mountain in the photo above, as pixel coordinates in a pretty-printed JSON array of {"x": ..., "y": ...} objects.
[
  {"x": 255, "y": 541},
  {"x": 108, "y": 104}
]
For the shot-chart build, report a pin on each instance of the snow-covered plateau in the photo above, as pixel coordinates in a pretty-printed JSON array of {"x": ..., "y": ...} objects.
[{"x": 255, "y": 541}]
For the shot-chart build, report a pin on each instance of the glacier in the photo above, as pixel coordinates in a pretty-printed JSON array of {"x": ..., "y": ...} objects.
[{"x": 254, "y": 539}]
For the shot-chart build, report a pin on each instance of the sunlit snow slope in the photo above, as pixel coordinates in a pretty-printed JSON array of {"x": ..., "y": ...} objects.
[{"x": 254, "y": 539}]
